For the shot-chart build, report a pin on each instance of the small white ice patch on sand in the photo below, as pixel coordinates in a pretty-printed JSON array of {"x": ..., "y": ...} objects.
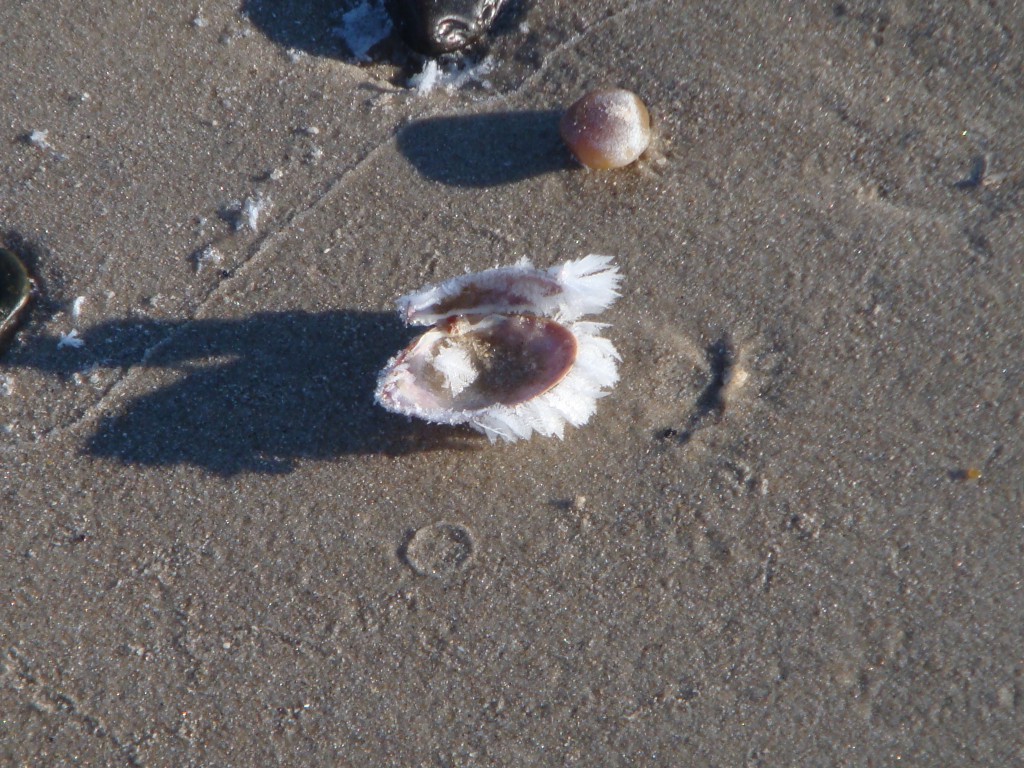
[
  {"x": 247, "y": 215},
  {"x": 451, "y": 77},
  {"x": 363, "y": 27},
  {"x": 40, "y": 139},
  {"x": 426, "y": 80},
  {"x": 70, "y": 339},
  {"x": 207, "y": 256}
]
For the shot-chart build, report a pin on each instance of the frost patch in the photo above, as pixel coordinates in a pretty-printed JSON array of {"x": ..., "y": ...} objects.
[
  {"x": 70, "y": 339},
  {"x": 451, "y": 77},
  {"x": 363, "y": 27}
]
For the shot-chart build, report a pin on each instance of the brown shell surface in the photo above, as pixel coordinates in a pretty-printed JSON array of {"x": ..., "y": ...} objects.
[
  {"x": 474, "y": 296},
  {"x": 607, "y": 128},
  {"x": 523, "y": 357},
  {"x": 518, "y": 358}
]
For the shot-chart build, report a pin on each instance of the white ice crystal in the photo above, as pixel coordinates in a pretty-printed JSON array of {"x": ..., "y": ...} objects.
[
  {"x": 451, "y": 75},
  {"x": 40, "y": 139},
  {"x": 566, "y": 292},
  {"x": 506, "y": 352},
  {"x": 252, "y": 209},
  {"x": 455, "y": 366},
  {"x": 427, "y": 79},
  {"x": 70, "y": 339},
  {"x": 363, "y": 27}
]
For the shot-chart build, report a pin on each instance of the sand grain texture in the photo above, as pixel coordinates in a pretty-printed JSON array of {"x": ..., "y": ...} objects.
[{"x": 770, "y": 545}]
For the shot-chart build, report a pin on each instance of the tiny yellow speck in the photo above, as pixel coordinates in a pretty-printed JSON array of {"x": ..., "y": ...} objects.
[{"x": 966, "y": 474}]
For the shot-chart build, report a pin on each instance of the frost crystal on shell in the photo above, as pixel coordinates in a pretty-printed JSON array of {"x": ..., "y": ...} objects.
[
  {"x": 506, "y": 352},
  {"x": 567, "y": 292}
]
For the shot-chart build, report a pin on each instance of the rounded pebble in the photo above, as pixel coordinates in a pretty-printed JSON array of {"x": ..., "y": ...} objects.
[
  {"x": 607, "y": 128},
  {"x": 442, "y": 550}
]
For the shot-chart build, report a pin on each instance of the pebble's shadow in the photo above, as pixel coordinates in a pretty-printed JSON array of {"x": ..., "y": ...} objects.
[
  {"x": 485, "y": 150},
  {"x": 249, "y": 395}
]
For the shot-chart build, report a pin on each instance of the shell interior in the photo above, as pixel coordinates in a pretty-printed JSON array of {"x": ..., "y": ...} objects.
[
  {"x": 566, "y": 292},
  {"x": 478, "y": 298},
  {"x": 469, "y": 364},
  {"x": 507, "y": 290}
]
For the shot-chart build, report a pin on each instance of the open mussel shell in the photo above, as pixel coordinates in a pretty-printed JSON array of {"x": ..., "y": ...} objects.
[
  {"x": 15, "y": 293},
  {"x": 467, "y": 365},
  {"x": 507, "y": 352}
]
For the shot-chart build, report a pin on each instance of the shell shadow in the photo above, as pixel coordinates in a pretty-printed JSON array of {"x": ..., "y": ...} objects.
[
  {"x": 249, "y": 395},
  {"x": 485, "y": 150}
]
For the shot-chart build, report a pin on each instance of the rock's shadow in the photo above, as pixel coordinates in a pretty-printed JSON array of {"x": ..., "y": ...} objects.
[
  {"x": 305, "y": 25},
  {"x": 249, "y": 395},
  {"x": 485, "y": 150},
  {"x": 317, "y": 27}
]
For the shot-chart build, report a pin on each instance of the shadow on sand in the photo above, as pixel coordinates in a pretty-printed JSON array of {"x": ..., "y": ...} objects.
[
  {"x": 304, "y": 25},
  {"x": 316, "y": 27},
  {"x": 485, "y": 150},
  {"x": 249, "y": 395}
]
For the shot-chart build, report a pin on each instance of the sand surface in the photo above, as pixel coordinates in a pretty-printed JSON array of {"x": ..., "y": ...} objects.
[{"x": 791, "y": 536}]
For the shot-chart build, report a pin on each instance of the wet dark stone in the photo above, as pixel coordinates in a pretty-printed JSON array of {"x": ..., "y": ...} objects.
[{"x": 435, "y": 27}]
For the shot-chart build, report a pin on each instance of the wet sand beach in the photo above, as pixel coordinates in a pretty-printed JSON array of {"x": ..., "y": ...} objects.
[{"x": 793, "y": 534}]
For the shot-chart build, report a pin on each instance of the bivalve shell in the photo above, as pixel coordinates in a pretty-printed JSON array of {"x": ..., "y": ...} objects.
[{"x": 506, "y": 352}]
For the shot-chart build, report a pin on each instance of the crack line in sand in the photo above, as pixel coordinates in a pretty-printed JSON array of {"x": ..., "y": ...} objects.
[
  {"x": 569, "y": 44},
  {"x": 257, "y": 250},
  {"x": 263, "y": 244}
]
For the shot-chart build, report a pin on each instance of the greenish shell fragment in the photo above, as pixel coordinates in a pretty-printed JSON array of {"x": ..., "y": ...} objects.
[{"x": 15, "y": 293}]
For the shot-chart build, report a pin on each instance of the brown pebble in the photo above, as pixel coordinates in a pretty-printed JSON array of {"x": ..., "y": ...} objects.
[{"x": 607, "y": 128}]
